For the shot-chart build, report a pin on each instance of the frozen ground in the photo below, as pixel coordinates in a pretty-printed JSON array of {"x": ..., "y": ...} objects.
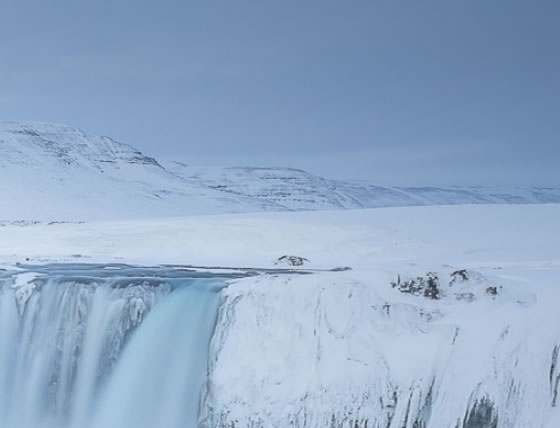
[{"x": 350, "y": 348}]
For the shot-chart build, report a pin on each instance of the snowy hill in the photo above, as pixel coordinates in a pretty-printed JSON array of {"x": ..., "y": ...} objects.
[
  {"x": 56, "y": 172},
  {"x": 52, "y": 172},
  {"x": 290, "y": 188},
  {"x": 299, "y": 190}
]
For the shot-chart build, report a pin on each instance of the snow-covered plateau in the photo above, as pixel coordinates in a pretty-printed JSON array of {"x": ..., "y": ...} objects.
[{"x": 447, "y": 318}]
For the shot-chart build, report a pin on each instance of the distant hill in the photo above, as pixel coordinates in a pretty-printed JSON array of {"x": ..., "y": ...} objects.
[
  {"x": 298, "y": 190},
  {"x": 52, "y": 172}
]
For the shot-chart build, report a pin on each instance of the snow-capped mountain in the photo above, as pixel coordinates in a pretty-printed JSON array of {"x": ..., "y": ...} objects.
[
  {"x": 299, "y": 190},
  {"x": 290, "y": 188},
  {"x": 56, "y": 172},
  {"x": 53, "y": 172}
]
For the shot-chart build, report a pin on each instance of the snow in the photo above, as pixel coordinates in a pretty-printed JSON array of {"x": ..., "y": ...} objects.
[
  {"x": 473, "y": 235},
  {"x": 57, "y": 173},
  {"x": 348, "y": 347},
  {"x": 24, "y": 286},
  {"x": 295, "y": 189},
  {"x": 320, "y": 347},
  {"x": 24, "y": 279},
  {"x": 331, "y": 347},
  {"x": 52, "y": 172}
]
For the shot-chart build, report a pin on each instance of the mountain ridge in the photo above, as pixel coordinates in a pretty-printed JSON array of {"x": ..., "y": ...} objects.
[{"x": 58, "y": 173}]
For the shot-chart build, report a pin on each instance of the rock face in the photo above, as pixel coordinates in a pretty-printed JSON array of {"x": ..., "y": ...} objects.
[
  {"x": 427, "y": 286},
  {"x": 291, "y": 261},
  {"x": 481, "y": 415},
  {"x": 461, "y": 284},
  {"x": 329, "y": 351}
]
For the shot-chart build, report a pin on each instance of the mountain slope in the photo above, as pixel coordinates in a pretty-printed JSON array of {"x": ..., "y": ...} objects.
[
  {"x": 51, "y": 172},
  {"x": 291, "y": 188},
  {"x": 299, "y": 190},
  {"x": 56, "y": 172}
]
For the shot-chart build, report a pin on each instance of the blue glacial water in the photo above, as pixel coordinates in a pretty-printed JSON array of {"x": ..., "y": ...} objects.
[{"x": 104, "y": 346}]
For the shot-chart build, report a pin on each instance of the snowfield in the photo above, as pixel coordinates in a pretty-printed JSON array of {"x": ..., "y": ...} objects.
[{"x": 448, "y": 317}]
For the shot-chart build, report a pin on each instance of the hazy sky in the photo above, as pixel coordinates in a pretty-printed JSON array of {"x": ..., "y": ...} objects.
[{"x": 403, "y": 92}]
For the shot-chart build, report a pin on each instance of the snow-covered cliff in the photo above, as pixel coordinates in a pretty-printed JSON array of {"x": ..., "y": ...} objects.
[
  {"x": 447, "y": 319},
  {"x": 332, "y": 351}
]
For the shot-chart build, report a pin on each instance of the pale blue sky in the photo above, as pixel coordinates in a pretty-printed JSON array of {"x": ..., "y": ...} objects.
[{"x": 399, "y": 92}]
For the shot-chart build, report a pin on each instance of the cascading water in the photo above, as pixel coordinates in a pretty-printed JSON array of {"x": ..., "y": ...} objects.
[{"x": 103, "y": 350}]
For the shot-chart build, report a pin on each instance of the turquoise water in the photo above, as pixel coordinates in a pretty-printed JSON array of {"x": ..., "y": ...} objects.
[{"x": 80, "y": 349}]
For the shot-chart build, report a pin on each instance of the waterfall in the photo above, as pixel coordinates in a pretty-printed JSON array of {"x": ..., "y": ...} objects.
[{"x": 104, "y": 351}]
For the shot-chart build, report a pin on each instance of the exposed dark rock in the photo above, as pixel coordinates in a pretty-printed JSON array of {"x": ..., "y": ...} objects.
[
  {"x": 423, "y": 417},
  {"x": 481, "y": 415},
  {"x": 460, "y": 274},
  {"x": 341, "y": 269},
  {"x": 292, "y": 260},
  {"x": 554, "y": 376},
  {"x": 493, "y": 291},
  {"x": 427, "y": 286}
]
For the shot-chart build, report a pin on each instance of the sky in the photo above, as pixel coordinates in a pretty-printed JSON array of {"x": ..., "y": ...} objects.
[{"x": 395, "y": 92}]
